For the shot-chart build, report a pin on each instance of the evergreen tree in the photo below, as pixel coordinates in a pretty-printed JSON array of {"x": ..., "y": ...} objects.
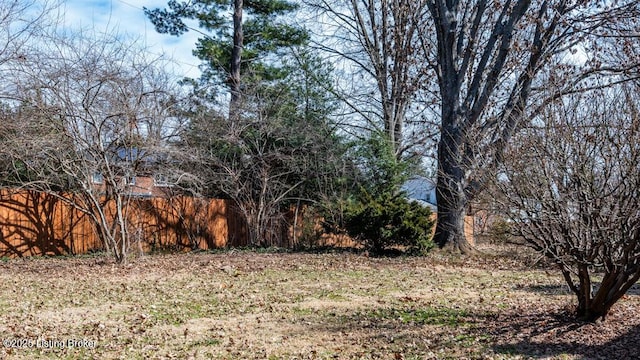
[
  {"x": 380, "y": 215},
  {"x": 237, "y": 45},
  {"x": 282, "y": 152}
]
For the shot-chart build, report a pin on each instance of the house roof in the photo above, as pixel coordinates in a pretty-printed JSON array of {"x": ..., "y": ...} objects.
[
  {"x": 420, "y": 188},
  {"x": 423, "y": 203}
]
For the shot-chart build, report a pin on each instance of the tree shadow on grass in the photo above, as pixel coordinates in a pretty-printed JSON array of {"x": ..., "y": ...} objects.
[
  {"x": 563, "y": 289},
  {"x": 437, "y": 332},
  {"x": 413, "y": 331},
  {"x": 559, "y": 334},
  {"x": 626, "y": 346},
  {"x": 549, "y": 289}
]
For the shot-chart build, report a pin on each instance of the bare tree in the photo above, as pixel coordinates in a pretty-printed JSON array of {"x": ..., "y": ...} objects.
[
  {"x": 258, "y": 181},
  {"x": 570, "y": 185},
  {"x": 281, "y": 151},
  {"x": 100, "y": 113},
  {"x": 20, "y": 22},
  {"x": 492, "y": 61},
  {"x": 380, "y": 41}
]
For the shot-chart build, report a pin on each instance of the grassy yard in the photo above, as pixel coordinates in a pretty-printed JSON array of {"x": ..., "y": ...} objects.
[{"x": 243, "y": 305}]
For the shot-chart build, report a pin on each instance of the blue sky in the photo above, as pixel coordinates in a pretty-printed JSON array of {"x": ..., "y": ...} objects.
[{"x": 127, "y": 17}]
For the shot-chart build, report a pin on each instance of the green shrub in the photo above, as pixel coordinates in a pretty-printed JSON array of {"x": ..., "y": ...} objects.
[
  {"x": 390, "y": 219},
  {"x": 500, "y": 231}
]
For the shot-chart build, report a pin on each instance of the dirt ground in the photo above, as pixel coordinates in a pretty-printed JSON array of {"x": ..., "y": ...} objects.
[{"x": 247, "y": 305}]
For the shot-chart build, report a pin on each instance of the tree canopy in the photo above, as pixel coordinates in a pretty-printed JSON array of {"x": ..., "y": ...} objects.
[{"x": 264, "y": 35}]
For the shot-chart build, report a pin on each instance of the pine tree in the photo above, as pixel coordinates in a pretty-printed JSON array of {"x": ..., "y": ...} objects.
[{"x": 231, "y": 46}]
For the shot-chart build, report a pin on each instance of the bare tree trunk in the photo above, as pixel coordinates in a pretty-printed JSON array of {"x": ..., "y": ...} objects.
[
  {"x": 236, "y": 58},
  {"x": 585, "y": 308},
  {"x": 451, "y": 198},
  {"x": 295, "y": 225},
  {"x": 613, "y": 286},
  {"x": 121, "y": 257},
  {"x": 393, "y": 120}
]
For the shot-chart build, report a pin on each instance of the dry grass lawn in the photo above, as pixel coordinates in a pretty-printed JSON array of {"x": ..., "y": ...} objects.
[{"x": 243, "y": 305}]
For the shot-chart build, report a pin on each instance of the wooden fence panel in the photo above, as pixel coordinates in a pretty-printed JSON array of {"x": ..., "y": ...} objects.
[{"x": 34, "y": 223}]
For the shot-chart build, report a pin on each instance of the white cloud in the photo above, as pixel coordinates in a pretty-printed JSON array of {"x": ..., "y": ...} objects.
[{"x": 127, "y": 17}]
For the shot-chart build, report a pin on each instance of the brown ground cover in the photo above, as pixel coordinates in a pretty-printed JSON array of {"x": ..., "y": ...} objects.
[{"x": 246, "y": 305}]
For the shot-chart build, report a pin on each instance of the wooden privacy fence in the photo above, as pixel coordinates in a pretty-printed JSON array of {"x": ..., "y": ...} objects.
[{"x": 34, "y": 223}]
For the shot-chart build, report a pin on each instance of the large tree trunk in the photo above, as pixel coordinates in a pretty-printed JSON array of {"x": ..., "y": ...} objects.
[{"x": 451, "y": 197}]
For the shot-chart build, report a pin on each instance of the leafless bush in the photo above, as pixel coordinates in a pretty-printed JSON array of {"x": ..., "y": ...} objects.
[
  {"x": 571, "y": 182},
  {"x": 93, "y": 113}
]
